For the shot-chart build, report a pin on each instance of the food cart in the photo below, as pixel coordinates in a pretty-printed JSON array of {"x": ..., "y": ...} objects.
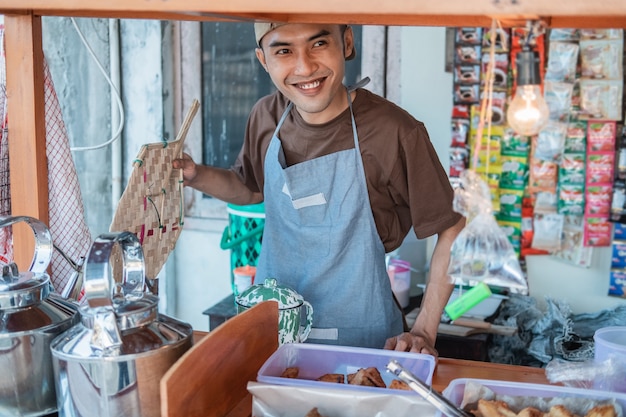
[{"x": 25, "y": 91}]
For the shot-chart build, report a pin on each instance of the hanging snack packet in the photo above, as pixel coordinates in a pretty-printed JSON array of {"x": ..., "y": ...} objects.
[
  {"x": 548, "y": 231},
  {"x": 562, "y": 62},
  {"x": 482, "y": 252}
]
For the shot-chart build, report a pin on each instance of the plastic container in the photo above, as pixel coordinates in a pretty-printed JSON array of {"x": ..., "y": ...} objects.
[
  {"x": 454, "y": 391},
  {"x": 243, "y": 278},
  {"x": 610, "y": 342},
  {"x": 315, "y": 360},
  {"x": 243, "y": 236},
  {"x": 400, "y": 276}
]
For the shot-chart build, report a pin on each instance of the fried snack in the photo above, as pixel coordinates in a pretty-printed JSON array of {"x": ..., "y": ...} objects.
[
  {"x": 488, "y": 408},
  {"x": 493, "y": 409},
  {"x": 606, "y": 410},
  {"x": 397, "y": 384},
  {"x": 313, "y": 413},
  {"x": 337, "y": 378},
  {"x": 531, "y": 412},
  {"x": 291, "y": 372},
  {"x": 368, "y": 377},
  {"x": 560, "y": 410}
]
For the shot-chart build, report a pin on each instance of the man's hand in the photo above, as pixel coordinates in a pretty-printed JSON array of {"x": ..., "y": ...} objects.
[
  {"x": 188, "y": 167},
  {"x": 411, "y": 342}
]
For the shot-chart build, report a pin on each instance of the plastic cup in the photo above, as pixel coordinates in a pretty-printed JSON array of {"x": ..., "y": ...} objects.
[
  {"x": 243, "y": 277},
  {"x": 400, "y": 276},
  {"x": 610, "y": 344}
]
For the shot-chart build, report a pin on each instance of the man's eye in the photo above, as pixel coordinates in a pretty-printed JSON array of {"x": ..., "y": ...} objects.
[
  {"x": 282, "y": 51},
  {"x": 320, "y": 43}
]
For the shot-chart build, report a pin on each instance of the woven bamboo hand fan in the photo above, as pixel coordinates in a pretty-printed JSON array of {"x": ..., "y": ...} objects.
[{"x": 152, "y": 203}]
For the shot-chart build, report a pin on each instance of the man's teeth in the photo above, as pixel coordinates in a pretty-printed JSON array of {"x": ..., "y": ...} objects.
[{"x": 306, "y": 86}]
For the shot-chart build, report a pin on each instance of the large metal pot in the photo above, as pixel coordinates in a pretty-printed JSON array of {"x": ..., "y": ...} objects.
[
  {"x": 111, "y": 363},
  {"x": 31, "y": 316}
]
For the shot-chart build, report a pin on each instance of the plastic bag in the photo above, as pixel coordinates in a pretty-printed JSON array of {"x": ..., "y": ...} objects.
[
  {"x": 482, "y": 252},
  {"x": 606, "y": 375}
]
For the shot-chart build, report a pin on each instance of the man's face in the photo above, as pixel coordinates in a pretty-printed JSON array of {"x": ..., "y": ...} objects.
[{"x": 306, "y": 62}]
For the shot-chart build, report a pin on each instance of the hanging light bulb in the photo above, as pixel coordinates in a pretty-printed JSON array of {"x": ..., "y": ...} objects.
[{"x": 528, "y": 112}]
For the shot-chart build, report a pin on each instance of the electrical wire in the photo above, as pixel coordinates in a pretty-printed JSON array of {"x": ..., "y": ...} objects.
[{"x": 116, "y": 95}]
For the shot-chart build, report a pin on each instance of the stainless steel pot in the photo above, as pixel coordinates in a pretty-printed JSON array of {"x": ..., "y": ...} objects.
[
  {"x": 111, "y": 363},
  {"x": 31, "y": 316}
]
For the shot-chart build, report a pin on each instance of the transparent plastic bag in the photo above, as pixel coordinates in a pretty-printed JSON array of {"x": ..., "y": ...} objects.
[
  {"x": 482, "y": 252},
  {"x": 604, "y": 375}
]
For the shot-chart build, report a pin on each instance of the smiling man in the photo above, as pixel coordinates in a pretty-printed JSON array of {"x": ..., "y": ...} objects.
[{"x": 345, "y": 175}]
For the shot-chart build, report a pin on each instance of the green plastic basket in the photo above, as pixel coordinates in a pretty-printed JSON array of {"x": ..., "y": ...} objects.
[{"x": 244, "y": 234}]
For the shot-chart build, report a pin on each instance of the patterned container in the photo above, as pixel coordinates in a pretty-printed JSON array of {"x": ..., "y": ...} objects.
[{"x": 290, "y": 305}]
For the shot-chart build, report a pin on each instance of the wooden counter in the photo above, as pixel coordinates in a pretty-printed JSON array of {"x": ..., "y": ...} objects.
[
  {"x": 446, "y": 371},
  {"x": 218, "y": 346}
]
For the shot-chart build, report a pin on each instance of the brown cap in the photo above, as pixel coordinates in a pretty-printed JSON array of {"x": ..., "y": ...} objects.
[{"x": 262, "y": 29}]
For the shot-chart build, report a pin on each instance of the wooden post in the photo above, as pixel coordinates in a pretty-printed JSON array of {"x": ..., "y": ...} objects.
[{"x": 27, "y": 129}]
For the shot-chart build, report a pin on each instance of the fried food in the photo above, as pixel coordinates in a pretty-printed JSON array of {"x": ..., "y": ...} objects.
[
  {"x": 606, "y": 410},
  {"x": 313, "y": 413},
  {"x": 369, "y": 377},
  {"x": 337, "y": 378},
  {"x": 486, "y": 408},
  {"x": 493, "y": 409},
  {"x": 560, "y": 411},
  {"x": 397, "y": 384},
  {"x": 291, "y": 372}
]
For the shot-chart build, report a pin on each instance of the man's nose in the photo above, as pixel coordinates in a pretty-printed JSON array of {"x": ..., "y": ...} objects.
[{"x": 305, "y": 64}]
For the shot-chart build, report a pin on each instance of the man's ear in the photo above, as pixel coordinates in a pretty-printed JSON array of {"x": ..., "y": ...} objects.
[
  {"x": 261, "y": 57},
  {"x": 348, "y": 42}
]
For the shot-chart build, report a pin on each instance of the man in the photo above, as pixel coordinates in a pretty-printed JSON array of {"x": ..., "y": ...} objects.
[{"x": 344, "y": 174}]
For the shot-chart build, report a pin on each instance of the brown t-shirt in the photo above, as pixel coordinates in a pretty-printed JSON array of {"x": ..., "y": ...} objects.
[{"x": 406, "y": 183}]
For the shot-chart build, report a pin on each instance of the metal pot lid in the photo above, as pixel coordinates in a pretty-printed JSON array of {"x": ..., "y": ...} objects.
[
  {"x": 270, "y": 290},
  {"x": 24, "y": 289}
]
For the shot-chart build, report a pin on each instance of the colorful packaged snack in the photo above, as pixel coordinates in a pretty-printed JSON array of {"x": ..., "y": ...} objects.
[
  {"x": 571, "y": 199},
  {"x": 468, "y": 54},
  {"x": 572, "y": 168},
  {"x": 511, "y": 203},
  {"x": 468, "y": 36},
  {"x": 576, "y": 139},
  {"x": 515, "y": 144},
  {"x": 514, "y": 171},
  {"x": 617, "y": 286},
  {"x": 618, "y": 205},
  {"x": 601, "y": 136},
  {"x": 598, "y": 199},
  {"x": 600, "y": 168},
  {"x": 467, "y": 74},
  {"x": 460, "y": 132},
  {"x": 597, "y": 231}
]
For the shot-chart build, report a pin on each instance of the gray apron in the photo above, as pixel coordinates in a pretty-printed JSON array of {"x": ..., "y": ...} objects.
[{"x": 321, "y": 240}]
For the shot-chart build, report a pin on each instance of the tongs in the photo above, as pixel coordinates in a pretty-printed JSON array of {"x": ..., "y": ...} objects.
[{"x": 427, "y": 392}]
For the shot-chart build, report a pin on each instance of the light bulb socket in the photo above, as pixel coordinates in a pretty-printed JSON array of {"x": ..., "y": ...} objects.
[{"x": 528, "y": 68}]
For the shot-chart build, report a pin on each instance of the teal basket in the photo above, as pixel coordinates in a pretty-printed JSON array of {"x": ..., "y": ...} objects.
[{"x": 244, "y": 234}]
